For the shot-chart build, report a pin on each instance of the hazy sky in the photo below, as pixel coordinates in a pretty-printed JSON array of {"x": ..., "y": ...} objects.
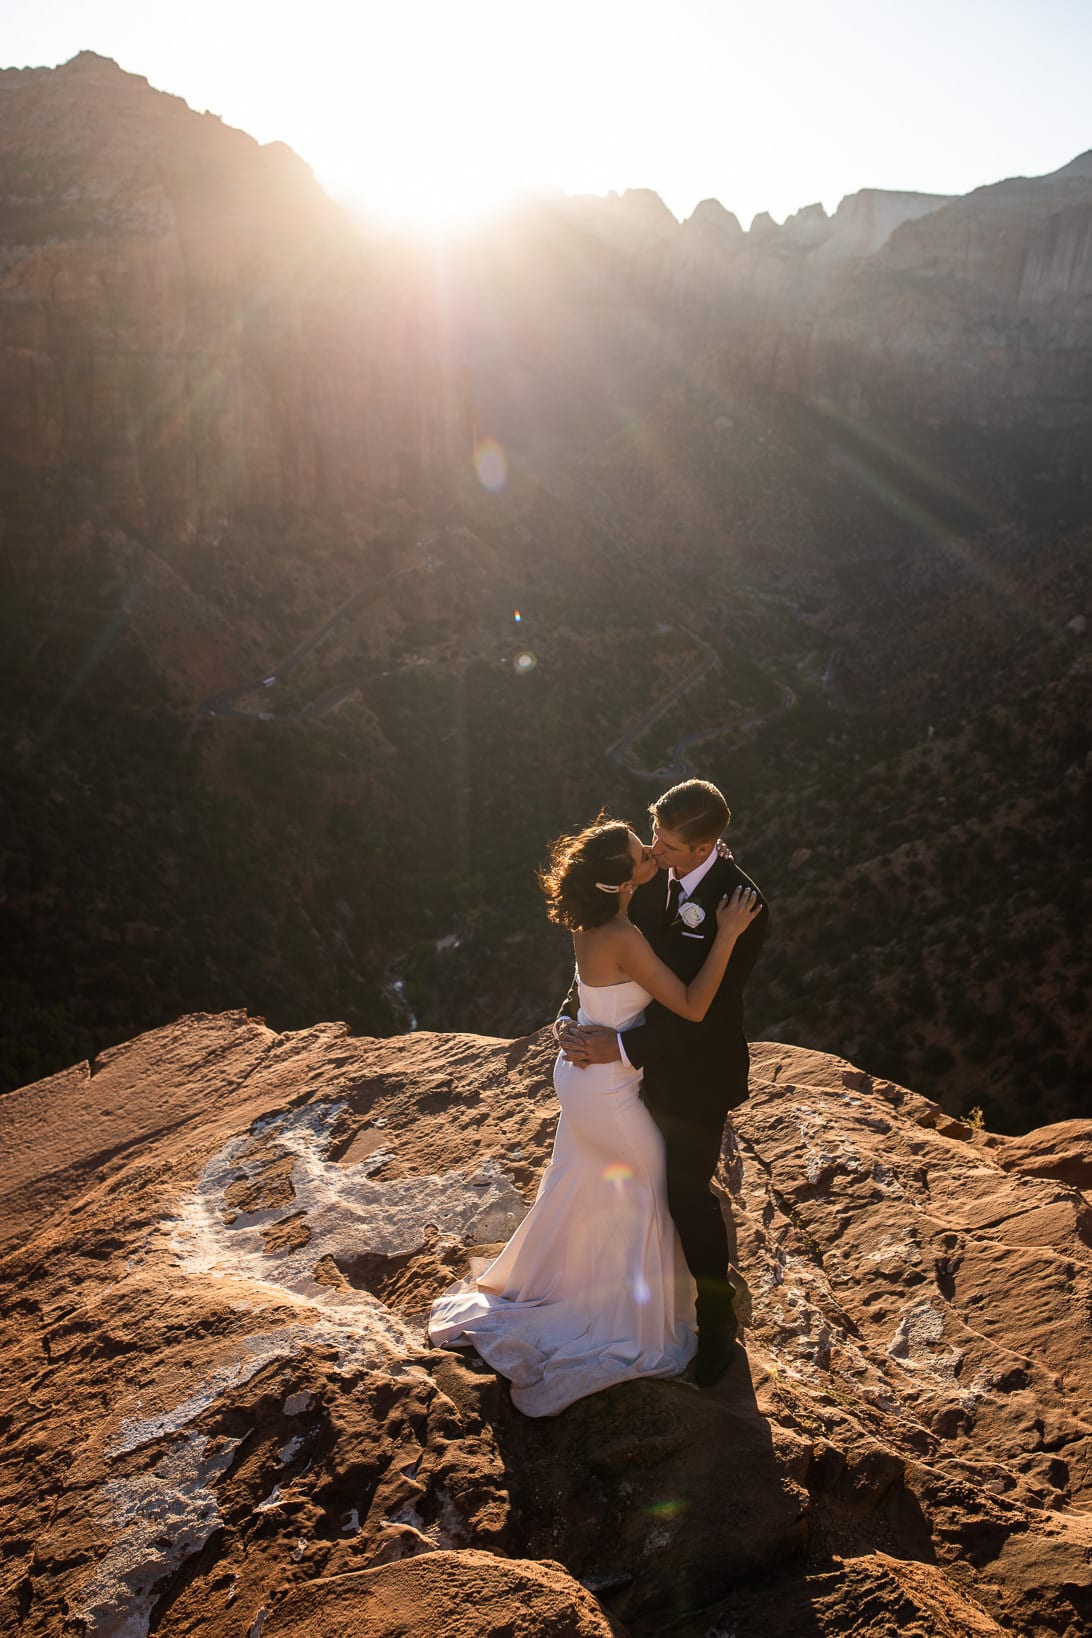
[{"x": 769, "y": 105}]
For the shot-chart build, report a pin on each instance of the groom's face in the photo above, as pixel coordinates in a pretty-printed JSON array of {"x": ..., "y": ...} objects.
[{"x": 669, "y": 849}]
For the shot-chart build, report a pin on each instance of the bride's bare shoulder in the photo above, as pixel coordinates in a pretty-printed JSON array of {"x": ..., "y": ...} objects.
[
  {"x": 628, "y": 943},
  {"x": 619, "y": 934},
  {"x": 601, "y": 951}
]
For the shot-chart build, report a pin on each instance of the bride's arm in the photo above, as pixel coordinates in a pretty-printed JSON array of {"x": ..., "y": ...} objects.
[{"x": 638, "y": 960}]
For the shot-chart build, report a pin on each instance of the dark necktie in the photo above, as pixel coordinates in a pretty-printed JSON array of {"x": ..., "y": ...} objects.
[{"x": 674, "y": 894}]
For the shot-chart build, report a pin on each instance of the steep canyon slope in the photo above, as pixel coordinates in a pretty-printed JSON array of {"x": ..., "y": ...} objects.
[{"x": 836, "y": 471}]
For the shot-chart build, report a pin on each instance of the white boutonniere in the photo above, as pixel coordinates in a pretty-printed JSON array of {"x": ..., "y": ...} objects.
[{"x": 691, "y": 913}]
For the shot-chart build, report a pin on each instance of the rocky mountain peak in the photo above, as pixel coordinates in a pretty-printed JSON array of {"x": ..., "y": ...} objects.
[
  {"x": 91, "y": 65},
  {"x": 1080, "y": 169},
  {"x": 807, "y": 227},
  {"x": 646, "y": 204},
  {"x": 763, "y": 227},
  {"x": 865, "y": 220},
  {"x": 709, "y": 220}
]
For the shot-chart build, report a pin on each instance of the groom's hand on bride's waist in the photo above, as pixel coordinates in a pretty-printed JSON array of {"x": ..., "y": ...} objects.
[
  {"x": 570, "y": 1038},
  {"x": 584, "y": 1044}
]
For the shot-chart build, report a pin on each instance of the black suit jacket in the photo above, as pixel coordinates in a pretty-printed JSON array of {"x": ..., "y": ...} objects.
[{"x": 697, "y": 1070}]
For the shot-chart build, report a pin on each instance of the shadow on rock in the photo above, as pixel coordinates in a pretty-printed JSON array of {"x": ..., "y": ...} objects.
[{"x": 656, "y": 1497}]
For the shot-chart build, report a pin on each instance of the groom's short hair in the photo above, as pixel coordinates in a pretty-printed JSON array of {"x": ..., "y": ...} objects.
[{"x": 695, "y": 809}]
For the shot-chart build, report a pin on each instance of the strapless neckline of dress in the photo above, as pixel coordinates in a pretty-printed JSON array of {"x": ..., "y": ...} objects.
[
  {"x": 618, "y": 1006},
  {"x": 585, "y": 985}
]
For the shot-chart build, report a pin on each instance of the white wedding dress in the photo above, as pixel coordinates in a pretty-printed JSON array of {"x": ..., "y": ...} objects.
[{"x": 592, "y": 1289}]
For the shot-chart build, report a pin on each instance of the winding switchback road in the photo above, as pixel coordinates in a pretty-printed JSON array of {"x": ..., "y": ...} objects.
[
  {"x": 222, "y": 704},
  {"x": 742, "y": 726}
]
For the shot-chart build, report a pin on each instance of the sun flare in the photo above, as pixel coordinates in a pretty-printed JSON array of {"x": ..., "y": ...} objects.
[
  {"x": 423, "y": 184},
  {"x": 442, "y": 135}
]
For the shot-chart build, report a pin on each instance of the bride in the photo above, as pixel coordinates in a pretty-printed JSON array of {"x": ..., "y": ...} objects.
[{"x": 592, "y": 1288}]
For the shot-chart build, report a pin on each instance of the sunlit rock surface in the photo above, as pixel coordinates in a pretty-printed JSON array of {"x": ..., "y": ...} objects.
[{"x": 221, "y": 1416}]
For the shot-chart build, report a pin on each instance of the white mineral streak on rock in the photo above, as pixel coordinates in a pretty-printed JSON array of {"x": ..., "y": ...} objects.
[
  {"x": 165, "y": 1516},
  {"x": 917, "y": 1339},
  {"x": 886, "y": 1181},
  {"x": 825, "y": 1150},
  {"x": 346, "y": 1212},
  {"x": 895, "y": 1251},
  {"x": 284, "y": 1343},
  {"x": 144, "y": 1430}
]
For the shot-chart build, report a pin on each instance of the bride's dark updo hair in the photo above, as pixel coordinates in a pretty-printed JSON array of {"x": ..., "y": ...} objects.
[{"x": 598, "y": 853}]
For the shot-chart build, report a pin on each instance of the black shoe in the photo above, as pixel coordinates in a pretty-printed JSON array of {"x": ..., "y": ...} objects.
[{"x": 716, "y": 1350}]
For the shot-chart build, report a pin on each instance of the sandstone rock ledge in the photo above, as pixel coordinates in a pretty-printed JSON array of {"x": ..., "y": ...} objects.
[{"x": 220, "y": 1417}]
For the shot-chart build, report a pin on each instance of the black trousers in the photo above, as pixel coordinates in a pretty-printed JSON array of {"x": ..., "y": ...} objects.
[{"x": 693, "y": 1144}]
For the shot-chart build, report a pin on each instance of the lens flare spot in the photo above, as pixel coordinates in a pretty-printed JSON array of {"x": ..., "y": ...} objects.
[
  {"x": 517, "y": 617},
  {"x": 619, "y": 1174},
  {"x": 491, "y": 465},
  {"x": 525, "y": 662},
  {"x": 642, "y": 1292},
  {"x": 667, "y": 1509}
]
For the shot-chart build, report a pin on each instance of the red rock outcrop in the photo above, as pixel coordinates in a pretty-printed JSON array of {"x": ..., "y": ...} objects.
[{"x": 221, "y": 1417}]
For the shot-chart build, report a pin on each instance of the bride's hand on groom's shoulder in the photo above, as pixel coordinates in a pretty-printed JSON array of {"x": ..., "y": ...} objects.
[{"x": 737, "y": 912}]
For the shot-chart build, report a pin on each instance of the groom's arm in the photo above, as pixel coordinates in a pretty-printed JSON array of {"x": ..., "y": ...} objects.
[
  {"x": 565, "y": 1024},
  {"x": 747, "y": 951},
  {"x": 570, "y": 1006}
]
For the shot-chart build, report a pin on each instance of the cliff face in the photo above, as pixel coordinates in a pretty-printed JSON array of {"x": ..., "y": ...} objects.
[
  {"x": 221, "y": 1247},
  {"x": 980, "y": 310},
  {"x": 189, "y": 326}
]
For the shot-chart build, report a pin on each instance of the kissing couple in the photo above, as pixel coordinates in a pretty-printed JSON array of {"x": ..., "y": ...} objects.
[{"x": 620, "y": 1268}]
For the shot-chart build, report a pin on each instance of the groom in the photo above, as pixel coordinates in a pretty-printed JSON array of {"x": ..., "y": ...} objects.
[{"x": 693, "y": 1073}]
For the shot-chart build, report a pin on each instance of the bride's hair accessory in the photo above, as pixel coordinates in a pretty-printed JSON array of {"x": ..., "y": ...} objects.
[{"x": 576, "y": 879}]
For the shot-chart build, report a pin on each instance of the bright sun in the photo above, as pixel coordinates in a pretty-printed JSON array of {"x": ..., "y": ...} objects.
[
  {"x": 438, "y": 129},
  {"x": 427, "y": 193}
]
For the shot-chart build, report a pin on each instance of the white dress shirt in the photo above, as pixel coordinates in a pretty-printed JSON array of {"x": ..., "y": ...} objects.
[{"x": 693, "y": 877}]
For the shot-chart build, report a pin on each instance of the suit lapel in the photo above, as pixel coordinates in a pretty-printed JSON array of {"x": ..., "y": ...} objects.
[{"x": 711, "y": 889}]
